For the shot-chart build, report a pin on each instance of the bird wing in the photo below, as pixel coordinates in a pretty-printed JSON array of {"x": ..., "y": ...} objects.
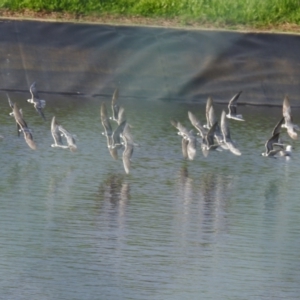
[
  {"x": 210, "y": 134},
  {"x": 38, "y": 108},
  {"x": 182, "y": 129},
  {"x": 29, "y": 139},
  {"x": 224, "y": 127},
  {"x": 196, "y": 123},
  {"x": 105, "y": 119},
  {"x": 55, "y": 132},
  {"x": 286, "y": 109},
  {"x": 121, "y": 115},
  {"x": 69, "y": 137},
  {"x": 209, "y": 104},
  {"x": 9, "y": 102},
  {"x": 277, "y": 127},
  {"x": 33, "y": 91},
  {"x": 115, "y": 96},
  {"x": 233, "y": 103},
  {"x": 212, "y": 116},
  {"x": 272, "y": 140}
]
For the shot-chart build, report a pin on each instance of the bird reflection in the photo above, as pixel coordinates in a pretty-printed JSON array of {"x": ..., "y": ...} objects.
[
  {"x": 271, "y": 195},
  {"x": 114, "y": 190},
  {"x": 185, "y": 185},
  {"x": 214, "y": 191},
  {"x": 202, "y": 202}
]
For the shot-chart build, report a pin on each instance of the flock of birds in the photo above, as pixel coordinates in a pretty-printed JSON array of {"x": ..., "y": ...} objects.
[
  {"x": 57, "y": 130},
  {"x": 213, "y": 136},
  {"x": 114, "y": 142}
]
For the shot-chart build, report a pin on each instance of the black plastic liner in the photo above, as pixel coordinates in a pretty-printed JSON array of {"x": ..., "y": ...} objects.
[{"x": 149, "y": 63}]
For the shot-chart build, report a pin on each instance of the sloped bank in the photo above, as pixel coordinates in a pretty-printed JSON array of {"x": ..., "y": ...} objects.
[{"x": 149, "y": 63}]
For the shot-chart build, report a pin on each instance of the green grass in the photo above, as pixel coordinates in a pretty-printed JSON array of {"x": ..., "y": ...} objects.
[{"x": 230, "y": 12}]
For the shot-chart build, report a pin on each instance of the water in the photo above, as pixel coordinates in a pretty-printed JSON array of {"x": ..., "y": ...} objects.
[{"x": 75, "y": 226}]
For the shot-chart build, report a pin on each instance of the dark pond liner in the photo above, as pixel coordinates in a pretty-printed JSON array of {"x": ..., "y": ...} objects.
[{"x": 149, "y": 63}]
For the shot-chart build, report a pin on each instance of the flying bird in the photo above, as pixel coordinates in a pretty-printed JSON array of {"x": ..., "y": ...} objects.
[
  {"x": 208, "y": 142},
  {"x": 189, "y": 141},
  {"x": 226, "y": 136},
  {"x": 22, "y": 127},
  {"x": 38, "y": 103},
  {"x": 19, "y": 115},
  {"x": 275, "y": 141},
  {"x": 69, "y": 137},
  {"x": 269, "y": 145},
  {"x": 108, "y": 132},
  {"x": 57, "y": 135}
]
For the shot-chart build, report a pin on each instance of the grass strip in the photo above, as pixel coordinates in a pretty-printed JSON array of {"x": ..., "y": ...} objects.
[{"x": 227, "y": 13}]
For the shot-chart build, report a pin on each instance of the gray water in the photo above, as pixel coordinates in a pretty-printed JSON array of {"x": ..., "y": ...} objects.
[{"x": 75, "y": 226}]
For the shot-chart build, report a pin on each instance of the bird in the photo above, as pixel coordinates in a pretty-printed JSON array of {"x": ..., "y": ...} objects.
[
  {"x": 113, "y": 137},
  {"x": 38, "y": 103},
  {"x": 18, "y": 115},
  {"x": 226, "y": 136},
  {"x": 269, "y": 145},
  {"x": 128, "y": 148},
  {"x": 232, "y": 107},
  {"x": 286, "y": 111},
  {"x": 22, "y": 127},
  {"x": 274, "y": 141},
  {"x": 189, "y": 141},
  {"x": 69, "y": 137},
  {"x": 207, "y": 136},
  {"x": 208, "y": 143},
  {"x": 56, "y": 134},
  {"x": 108, "y": 132},
  {"x": 211, "y": 120}
]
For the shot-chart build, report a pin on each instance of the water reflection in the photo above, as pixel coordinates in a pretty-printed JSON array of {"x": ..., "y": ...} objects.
[
  {"x": 171, "y": 228},
  {"x": 113, "y": 197},
  {"x": 204, "y": 198},
  {"x": 271, "y": 194},
  {"x": 185, "y": 188}
]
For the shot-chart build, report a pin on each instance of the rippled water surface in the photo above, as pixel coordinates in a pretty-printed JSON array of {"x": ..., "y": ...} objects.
[{"x": 75, "y": 226}]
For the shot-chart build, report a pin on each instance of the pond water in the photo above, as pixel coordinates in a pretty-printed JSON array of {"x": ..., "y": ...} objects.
[{"x": 73, "y": 225}]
